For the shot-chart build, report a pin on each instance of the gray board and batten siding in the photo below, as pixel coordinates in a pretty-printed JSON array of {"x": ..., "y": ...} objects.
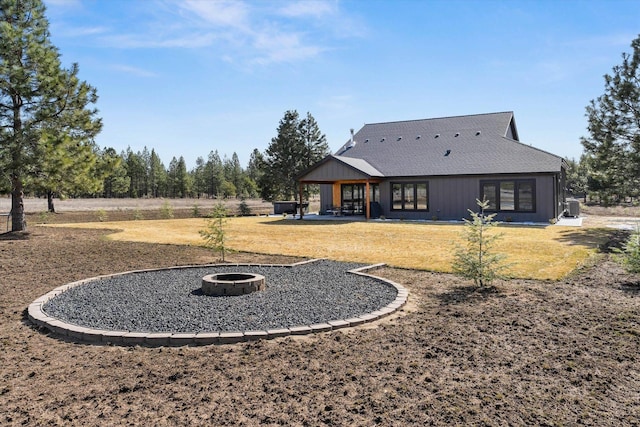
[{"x": 454, "y": 156}]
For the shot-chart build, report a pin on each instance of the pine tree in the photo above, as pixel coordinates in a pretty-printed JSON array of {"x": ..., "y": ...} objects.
[
  {"x": 298, "y": 145},
  {"x": 116, "y": 180},
  {"x": 476, "y": 259},
  {"x": 36, "y": 95},
  {"x": 215, "y": 231},
  {"x": 629, "y": 254},
  {"x": 613, "y": 146}
]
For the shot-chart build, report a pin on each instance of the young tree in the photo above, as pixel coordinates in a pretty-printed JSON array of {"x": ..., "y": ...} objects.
[
  {"x": 629, "y": 254},
  {"x": 215, "y": 232},
  {"x": 613, "y": 146},
  {"x": 36, "y": 94},
  {"x": 476, "y": 260}
]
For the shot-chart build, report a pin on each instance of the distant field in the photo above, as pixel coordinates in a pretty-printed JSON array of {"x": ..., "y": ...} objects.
[{"x": 34, "y": 205}]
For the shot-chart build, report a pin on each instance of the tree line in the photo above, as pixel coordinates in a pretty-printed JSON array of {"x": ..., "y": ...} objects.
[{"x": 94, "y": 172}]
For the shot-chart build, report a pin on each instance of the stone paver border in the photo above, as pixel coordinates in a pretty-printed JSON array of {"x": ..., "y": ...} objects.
[{"x": 40, "y": 318}]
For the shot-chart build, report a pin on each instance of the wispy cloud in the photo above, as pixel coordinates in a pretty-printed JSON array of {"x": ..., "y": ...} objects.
[
  {"x": 224, "y": 13},
  {"x": 64, "y": 3},
  {"x": 139, "y": 41},
  {"x": 244, "y": 33},
  {"x": 313, "y": 8},
  {"x": 283, "y": 47},
  {"x": 135, "y": 71},
  {"x": 81, "y": 31}
]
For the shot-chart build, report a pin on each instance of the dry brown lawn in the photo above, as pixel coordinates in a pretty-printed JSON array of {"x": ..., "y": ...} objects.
[{"x": 536, "y": 252}]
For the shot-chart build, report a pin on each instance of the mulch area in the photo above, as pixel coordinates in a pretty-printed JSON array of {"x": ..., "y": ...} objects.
[{"x": 518, "y": 353}]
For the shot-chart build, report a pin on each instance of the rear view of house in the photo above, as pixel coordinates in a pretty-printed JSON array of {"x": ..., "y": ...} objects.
[{"x": 437, "y": 168}]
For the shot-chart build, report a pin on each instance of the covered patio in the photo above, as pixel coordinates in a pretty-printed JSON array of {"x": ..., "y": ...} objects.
[{"x": 351, "y": 186}]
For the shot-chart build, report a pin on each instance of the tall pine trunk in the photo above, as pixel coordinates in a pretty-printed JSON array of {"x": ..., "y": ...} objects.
[{"x": 18, "y": 222}]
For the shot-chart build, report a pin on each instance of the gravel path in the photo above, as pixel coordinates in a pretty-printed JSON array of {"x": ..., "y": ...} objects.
[{"x": 172, "y": 301}]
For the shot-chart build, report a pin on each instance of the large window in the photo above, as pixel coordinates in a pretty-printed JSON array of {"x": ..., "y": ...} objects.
[
  {"x": 509, "y": 195},
  {"x": 410, "y": 196}
]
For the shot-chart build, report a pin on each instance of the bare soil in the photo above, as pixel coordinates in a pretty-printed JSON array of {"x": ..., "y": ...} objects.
[{"x": 518, "y": 353}]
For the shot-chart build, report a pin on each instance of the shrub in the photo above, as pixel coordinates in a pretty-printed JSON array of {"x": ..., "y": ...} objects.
[
  {"x": 43, "y": 217},
  {"x": 101, "y": 214},
  {"x": 476, "y": 260},
  {"x": 137, "y": 214},
  {"x": 629, "y": 255},
  {"x": 195, "y": 210},
  {"x": 245, "y": 210},
  {"x": 215, "y": 233},
  {"x": 166, "y": 210}
]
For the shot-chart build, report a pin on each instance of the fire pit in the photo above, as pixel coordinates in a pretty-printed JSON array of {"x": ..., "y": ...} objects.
[{"x": 227, "y": 284}]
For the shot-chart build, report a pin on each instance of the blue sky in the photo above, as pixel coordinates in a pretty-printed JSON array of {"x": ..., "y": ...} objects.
[{"x": 190, "y": 76}]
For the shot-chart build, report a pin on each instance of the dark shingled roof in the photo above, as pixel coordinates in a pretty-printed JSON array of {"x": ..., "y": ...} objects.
[{"x": 463, "y": 145}]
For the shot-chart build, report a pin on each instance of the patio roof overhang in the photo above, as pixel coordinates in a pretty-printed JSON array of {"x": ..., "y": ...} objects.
[{"x": 340, "y": 170}]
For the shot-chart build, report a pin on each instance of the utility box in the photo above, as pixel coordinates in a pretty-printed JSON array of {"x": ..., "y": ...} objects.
[{"x": 573, "y": 208}]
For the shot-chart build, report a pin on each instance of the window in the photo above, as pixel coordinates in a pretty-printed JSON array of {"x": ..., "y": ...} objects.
[
  {"x": 410, "y": 196},
  {"x": 509, "y": 195}
]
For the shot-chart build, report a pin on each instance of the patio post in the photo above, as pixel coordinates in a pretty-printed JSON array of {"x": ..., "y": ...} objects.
[
  {"x": 367, "y": 206},
  {"x": 301, "y": 196}
]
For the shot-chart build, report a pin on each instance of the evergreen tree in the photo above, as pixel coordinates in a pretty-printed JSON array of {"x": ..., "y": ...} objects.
[
  {"x": 215, "y": 174},
  {"x": 199, "y": 177},
  {"x": 577, "y": 177},
  {"x": 476, "y": 260},
  {"x": 215, "y": 233},
  {"x": 256, "y": 165},
  {"x": 182, "y": 180},
  {"x": 157, "y": 176},
  {"x": 36, "y": 95},
  {"x": 613, "y": 146},
  {"x": 68, "y": 168},
  {"x": 172, "y": 178},
  {"x": 298, "y": 145},
  {"x": 234, "y": 174},
  {"x": 116, "y": 180},
  {"x": 137, "y": 172},
  {"x": 314, "y": 140}
]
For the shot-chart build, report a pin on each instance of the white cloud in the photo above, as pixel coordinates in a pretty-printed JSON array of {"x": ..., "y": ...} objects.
[
  {"x": 63, "y": 3},
  {"x": 133, "y": 70},
  {"x": 314, "y": 8},
  {"x": 274, "y": 47},
  {"x": 137, "y": 41},
  {"x": 239, "y": 32},
  {"x": 227, "y": 13},
  {"x": 80, "y": 31}
]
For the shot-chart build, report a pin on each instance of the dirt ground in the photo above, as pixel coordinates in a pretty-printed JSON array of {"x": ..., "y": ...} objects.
[{"x": 519, "y": 353}]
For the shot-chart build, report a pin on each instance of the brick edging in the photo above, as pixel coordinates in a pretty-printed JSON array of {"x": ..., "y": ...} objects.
[{"x": 156, "y": 339}]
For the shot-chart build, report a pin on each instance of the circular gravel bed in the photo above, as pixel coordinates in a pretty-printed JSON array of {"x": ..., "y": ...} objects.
[{"x": 171, "y": 300}]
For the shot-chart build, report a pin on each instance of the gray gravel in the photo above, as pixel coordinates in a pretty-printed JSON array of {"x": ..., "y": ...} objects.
[{"x": 172, "y": 301}]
